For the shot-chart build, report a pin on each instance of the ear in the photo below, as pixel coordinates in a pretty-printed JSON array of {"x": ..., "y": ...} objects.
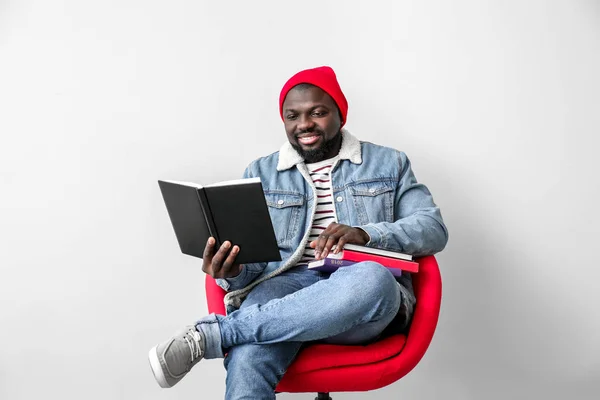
[{"x": 341, "y": 119}]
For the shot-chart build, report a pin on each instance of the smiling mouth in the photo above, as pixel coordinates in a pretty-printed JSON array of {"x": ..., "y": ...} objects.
[{"x": 308, "y": 140}]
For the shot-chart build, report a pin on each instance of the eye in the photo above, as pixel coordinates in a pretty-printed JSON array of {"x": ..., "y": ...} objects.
[
  {"x": 319, "y": 113},
  {"x": 291, "y": 117}
]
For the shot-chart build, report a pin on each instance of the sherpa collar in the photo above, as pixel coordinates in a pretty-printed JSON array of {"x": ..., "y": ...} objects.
[{"x": 350, "y": 150}]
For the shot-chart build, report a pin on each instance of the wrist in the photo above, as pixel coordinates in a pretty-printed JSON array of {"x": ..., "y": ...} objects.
[
  {"x": 364, "y": 236},
  {"x": 236, "y": 274}
]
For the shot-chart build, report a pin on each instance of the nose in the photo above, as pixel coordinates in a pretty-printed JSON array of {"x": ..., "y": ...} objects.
[{"x": 305, "y": 123}]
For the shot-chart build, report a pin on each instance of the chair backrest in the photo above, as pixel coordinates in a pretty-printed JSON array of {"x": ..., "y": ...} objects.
[{"x": 427, "y": 285}]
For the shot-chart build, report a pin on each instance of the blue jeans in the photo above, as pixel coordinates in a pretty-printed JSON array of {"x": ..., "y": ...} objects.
[{"x": 350, "y": 306}]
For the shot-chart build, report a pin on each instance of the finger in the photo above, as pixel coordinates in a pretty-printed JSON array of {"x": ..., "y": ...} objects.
[
  {"x": 331, "y": 240},
  {"x": 220, "y": 256},
  {"x": 313, "y": 244},
  {"x": 208, "y": 254},
  {"x": 325, "y": 242},
  {"x": 320, "y": 244},
  {"x": 229, "y": 266},
  {"x": 340, "y": 244},
  {"x": 209, "y": 248}
]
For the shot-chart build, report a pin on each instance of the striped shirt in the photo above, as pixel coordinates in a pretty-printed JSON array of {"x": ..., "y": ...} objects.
[{"x": 320, "y": 173}]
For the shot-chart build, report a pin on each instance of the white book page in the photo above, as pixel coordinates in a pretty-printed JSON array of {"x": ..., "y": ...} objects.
[
  {"x": 374, "y": 250},
  {"x": 224, "y": 183},
  {"x": 243, "y": 181},
  {"x": 191, "y": 184}
]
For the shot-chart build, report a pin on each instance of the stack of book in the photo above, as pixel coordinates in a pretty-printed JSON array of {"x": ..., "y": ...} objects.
[{"x": 395, "y": 261}]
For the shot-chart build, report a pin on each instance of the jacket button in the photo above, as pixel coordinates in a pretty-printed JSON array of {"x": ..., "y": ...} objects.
[
  {"x": 371, "y": 190},
  {"x": 339, "y": 199},
  {"x": 280, "y": 202}
]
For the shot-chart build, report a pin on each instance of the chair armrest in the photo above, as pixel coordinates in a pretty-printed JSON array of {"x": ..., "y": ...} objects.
[{"x": 214, "y": 296}]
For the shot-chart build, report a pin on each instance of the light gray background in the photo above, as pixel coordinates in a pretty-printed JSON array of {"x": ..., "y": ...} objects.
[{"x": 496, "y": 103}]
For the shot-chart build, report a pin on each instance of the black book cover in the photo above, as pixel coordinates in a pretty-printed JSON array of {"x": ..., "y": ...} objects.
[{"x": 235, "y": 211}]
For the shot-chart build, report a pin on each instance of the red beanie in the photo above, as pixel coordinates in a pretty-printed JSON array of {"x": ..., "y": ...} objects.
[{"x": 322, "y": 77}]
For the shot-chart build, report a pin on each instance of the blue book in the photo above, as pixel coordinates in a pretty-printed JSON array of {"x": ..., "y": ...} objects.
[{"x": 331, "y": 264}]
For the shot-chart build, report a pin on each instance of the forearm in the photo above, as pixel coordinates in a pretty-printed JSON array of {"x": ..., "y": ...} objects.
[{"x": 422, "y": 233}]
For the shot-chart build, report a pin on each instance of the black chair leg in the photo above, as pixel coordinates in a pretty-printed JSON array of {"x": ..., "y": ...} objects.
[{"x": 323, "y": 396}]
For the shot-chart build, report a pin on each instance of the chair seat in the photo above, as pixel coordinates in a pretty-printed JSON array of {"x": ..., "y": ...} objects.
[
  {"x": 324, "y": 356},
  {"x": 337, "y": 368}
]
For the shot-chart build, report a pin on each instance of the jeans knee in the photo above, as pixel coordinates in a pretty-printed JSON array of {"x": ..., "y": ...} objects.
[
  {"x": 377, "y": 286},
  {"x": 374, "y": 275}
]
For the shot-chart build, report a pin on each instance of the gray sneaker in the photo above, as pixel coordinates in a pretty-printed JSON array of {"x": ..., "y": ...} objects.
[{"x": 171, "y": 360}]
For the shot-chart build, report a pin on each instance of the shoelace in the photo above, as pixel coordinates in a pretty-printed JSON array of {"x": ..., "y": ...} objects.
[{"x": 193, "y": 338}]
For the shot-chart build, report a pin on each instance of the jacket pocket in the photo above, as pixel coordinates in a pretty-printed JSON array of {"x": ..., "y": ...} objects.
[
  {"x": 373, "y": 201},
  {"x": 285, "y": 209}
]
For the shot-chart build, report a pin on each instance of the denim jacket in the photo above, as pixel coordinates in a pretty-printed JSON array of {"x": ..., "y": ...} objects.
[{"x": 373, "y": 187}]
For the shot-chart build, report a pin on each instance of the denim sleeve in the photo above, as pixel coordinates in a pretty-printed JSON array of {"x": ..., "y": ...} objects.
[
  {"x": 418, "y": 228},
  {"x": 248, "y": 274}
]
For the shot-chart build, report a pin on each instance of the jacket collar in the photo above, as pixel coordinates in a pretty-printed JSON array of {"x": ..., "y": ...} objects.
[{"x": 350, "y": 150}]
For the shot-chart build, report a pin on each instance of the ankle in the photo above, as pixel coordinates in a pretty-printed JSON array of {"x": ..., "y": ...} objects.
[{"x": 209, "y": 327}]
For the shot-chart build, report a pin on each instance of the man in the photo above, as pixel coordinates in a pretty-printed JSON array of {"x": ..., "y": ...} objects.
[{"x": 324, "y": 189}]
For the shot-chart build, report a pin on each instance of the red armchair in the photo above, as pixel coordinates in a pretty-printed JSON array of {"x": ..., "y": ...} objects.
[{"x": 326, "y": 368}]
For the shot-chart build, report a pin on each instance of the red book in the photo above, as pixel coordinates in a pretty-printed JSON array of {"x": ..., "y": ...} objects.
[{"x": 389, "y": 262}]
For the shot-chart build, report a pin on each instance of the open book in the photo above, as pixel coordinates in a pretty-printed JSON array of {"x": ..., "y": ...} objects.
[{"x": 231, "y": 210}]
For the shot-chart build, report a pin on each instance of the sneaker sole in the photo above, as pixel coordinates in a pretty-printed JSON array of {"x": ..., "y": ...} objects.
[{"x": 157, "y": 369}]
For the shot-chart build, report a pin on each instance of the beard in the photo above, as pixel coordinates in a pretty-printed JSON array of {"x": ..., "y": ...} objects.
[{"x": 320, "y": 153}]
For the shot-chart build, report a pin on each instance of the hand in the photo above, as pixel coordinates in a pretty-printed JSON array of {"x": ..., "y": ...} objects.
[
  {"x": 337, "y": 235},
  {"x": 222, "y": 263}
]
